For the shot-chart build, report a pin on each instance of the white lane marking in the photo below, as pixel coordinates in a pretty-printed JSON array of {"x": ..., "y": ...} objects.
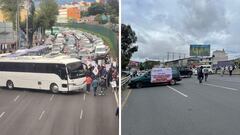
[
  {"x": 81, "y": 114},
  {"x": 51, "y": 98},
  {"x": 125, "y": 101},
  {"x": 116, "y": 97},
  {"x": 2, "y": 114},
  {"x": 218, "y": 86},
  {"x": 177, "y": 91},
  {"x": 40, "y": 117},
  {"x": 16, "y": 98},
  {"x": 84, "y": 96}
]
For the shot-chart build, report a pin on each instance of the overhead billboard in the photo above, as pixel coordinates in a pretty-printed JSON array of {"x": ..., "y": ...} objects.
[{"x": 199, "y": 50}]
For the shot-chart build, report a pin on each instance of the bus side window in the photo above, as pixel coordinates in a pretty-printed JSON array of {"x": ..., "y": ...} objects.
[{"x": 62, "y": 72}]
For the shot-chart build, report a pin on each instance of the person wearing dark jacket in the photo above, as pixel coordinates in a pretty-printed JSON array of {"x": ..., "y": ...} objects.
[{"x": 200, "y": 74}]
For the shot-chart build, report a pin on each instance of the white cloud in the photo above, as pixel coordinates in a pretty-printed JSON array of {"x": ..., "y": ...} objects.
[{"x": 163, "y": 26}]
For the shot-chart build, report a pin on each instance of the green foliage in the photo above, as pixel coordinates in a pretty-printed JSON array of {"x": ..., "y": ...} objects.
[
  {"x": 150, "y": 64},
  {"x": 114, "y": 19},
  {"x": 9, "y": 8},
  {"x": 45, "y": 17},
  {"x": 47, "y": 13},
  {"x": 112, "y": 7},
  {"x": 127, "y": 40},
  {"x": 84, "y": 13},
  {"x": 31, "y": 23},
  {"x": 96, "y": 8}
]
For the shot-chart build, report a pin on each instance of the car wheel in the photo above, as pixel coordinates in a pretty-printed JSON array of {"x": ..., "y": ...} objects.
[
  {"x": 173, "y": 82},
  {"x": 139, "y": 85},
  {"x": 54, "y": 88},
  {"x": 10, "y": 84}
]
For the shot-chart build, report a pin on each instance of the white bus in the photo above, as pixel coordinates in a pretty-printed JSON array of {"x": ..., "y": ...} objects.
[{"x": 55, "y": 74}]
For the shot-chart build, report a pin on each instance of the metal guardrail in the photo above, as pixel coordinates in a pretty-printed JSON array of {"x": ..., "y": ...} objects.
[{"x": 124, "y": 82}]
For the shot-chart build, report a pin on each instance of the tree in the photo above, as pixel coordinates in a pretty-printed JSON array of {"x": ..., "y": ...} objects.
[
  {"x": 128, "y": 38},
  {"x": 31, "y": 24},
  {"x": 9, "y": 8},
  {"x": 96, "y": 8},
  {"x": 150, "y": 64},
  {"x": 47, "y": 14},
  {"x": 112, "y": 7}
]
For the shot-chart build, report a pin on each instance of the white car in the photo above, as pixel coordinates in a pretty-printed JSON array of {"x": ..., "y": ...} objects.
[{"x": 101, "y": 50}]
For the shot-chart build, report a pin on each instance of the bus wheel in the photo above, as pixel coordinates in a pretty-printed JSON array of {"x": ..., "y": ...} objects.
[
  {"x": 10, "y": 84},
  {"x": 54, "y": 88},
  {"x": 173, "y": 82}
]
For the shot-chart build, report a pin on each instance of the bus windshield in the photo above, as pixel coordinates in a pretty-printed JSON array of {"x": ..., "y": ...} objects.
[{"x": 76, "y": 70}]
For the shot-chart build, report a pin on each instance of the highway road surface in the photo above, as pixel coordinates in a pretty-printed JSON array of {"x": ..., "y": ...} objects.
[
  {"x": 189, "y": 108},
  {"x": 31, "y": 112}
]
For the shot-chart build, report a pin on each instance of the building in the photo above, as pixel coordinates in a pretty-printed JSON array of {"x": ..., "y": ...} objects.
[
  {"x": 219, "y": 55},
  {"x": 73, "y": 14},
  {"x": 62, "y": 15},
  {"x": 88, "y": 19},
  {"x": 184, "y": 62},
  {"x": 84, "y": 5},
  {"x": 23, "y": 15},
  {"x": 100, "y": 1},
  {"x": 206, "y": 60},
  {"x": 7, "y": 37}
]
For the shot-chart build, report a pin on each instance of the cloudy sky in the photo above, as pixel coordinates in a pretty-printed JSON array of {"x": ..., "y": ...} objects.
[{"x": 172, "y": 25}]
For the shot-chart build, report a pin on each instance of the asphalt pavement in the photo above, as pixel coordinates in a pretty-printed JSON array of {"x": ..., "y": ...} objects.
[
  {"x": 188, "y": 108},
  {"x": 31, "y": 112}
]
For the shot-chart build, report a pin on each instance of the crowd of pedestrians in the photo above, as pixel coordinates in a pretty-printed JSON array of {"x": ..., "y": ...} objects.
[
  {"x": 102, "y": 76},
  {"x": 202, "y": 73},
  {"x": 230, "y": 69}
]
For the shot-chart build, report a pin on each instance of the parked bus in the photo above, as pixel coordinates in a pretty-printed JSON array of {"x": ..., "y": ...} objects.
[{"x": 54, "y": 74}]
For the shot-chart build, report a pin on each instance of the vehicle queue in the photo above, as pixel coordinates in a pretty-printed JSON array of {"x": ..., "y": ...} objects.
[{"x": 59, "y": 64}]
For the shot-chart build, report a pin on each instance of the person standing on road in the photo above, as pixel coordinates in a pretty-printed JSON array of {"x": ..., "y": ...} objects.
[
  {"x": 200, "y": 74},
  {"x": 222, "y": 71},
  {"x": 102, "y": 84},
  {"x": 88, "y": 81},
  {"x": 206, "y": 72},
  {"x": 95, "y": 86},
  {"x": 230, "y": 68}
]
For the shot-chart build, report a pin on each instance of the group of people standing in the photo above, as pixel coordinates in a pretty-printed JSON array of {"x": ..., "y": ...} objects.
[
  {"x": 202, "y": 73},
  {"x": 99, "y": 78},
  {"x": 227, "y": 68}
]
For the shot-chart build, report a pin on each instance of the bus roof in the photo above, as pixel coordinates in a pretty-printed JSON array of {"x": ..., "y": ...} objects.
[{"x": 40, "y": 59}]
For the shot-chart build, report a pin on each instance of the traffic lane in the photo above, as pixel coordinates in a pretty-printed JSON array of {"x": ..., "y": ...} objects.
[
  {"x": 207, "y": 111},
  {"x": 59, "y": 111},
  {"x": 210, "y": 89},
  {"x": 226, "y": 78},
  {"x": 228, "y": 81},
  {"x": 20, "y": 116},
  {"x": 99, "y": 116},
  {"x": 213, "y": 110},
  {"x": 7, "y": 97},
  {"x": 61, "y": 117},
  {"x": 154, "y": 110}
]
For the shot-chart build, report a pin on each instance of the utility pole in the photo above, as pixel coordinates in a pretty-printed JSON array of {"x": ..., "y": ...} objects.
[
  {"x": 16, "y": 26},
  {"x": 167, "y": 56},
  {"x": 27, "y": 6}
]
